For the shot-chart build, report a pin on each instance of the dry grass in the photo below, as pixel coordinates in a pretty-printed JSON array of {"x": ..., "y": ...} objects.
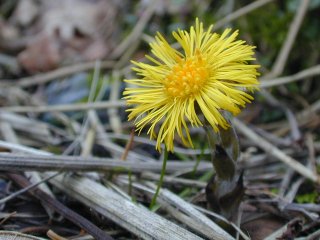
[{"x": 280, "y": 159}]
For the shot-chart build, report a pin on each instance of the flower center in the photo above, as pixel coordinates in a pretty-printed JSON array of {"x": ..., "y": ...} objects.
[{"x": 187, "y": 77}]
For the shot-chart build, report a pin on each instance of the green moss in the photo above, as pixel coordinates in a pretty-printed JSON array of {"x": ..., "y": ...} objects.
[
  {"x": 267, "y": 28},
  {"x": 307, "y": 198}
]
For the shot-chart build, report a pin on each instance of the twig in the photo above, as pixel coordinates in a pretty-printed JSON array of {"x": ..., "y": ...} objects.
[
  {"x": 54, "y": 236},
  {"x": 187, "y": 208},
  {"x": 33, "y": 176},
  {"x": 175, "y": 181},
  {"x": 311, "y": 207},
  {"x": 315, "y": 70},
  {"x": 282, "y": 57},
  {"x": 275, "y": 152},
  {"x": 115, "y": 149},
  {"x": 61, "y": 209},
  {"x": 294, "y": 128},
  {"x": 20, "y": 148},
  {"x": 303, "y": 117},
  {"x": 29, "y": 126},
  {"x": 312, "y": 152},
  {"x": 58, "y": 73},
  {"x": 136, "y": 32},
  {"x": 25, "y": 98},
  {"x": 240, "y": 12},
  {"x": 133, "y": 217},
  {"x": 88, "y": 142},
  {"x": 19, "y": 162},
  {"x": 30, "y": 187},
  {"x": 128, "y": 146},
  {"x": 291, "y": 194},
  {"x": 192, "y": 223},
  {"x": 17, "y": 235},
  {"x": 182, "y": 211},
  {"x": 114, "y": 118},
  {"x": 306, "y": 113},
  {"x": 284, "y": 185},
  {"x": 7, "y": 216},
  {"x": 88, "y": 133},
  {"x": 223, "y": 219},
  {"x": 65, "y": 107},
  {"x": 7, "y": 131}
]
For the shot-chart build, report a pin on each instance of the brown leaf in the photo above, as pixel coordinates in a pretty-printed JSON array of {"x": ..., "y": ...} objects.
[
  {"x": 262, "y": 227},
  {"x": 66, "y": 17},
  {"x": 41, "y": 55},
  {"x": 67, "y": 31}
]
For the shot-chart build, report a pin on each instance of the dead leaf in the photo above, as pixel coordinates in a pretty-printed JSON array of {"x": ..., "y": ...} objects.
[
  {"x": 41, "y": 55},
  {"x": 67, "y": 31},
  {"x": 66, "y": 17},
  {"x": 262, "y": 227}
]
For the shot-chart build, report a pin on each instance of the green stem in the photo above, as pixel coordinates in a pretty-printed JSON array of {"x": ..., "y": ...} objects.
[{"x": 163, "y": 172}]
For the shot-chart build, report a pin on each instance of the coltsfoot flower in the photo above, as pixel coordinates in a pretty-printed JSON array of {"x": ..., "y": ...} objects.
[{"x": 210, "y": 75}]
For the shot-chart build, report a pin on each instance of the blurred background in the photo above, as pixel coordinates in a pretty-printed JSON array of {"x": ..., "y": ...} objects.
[
  {"x": 39, "y": 36},
  {"x": 62, "y": 65}
]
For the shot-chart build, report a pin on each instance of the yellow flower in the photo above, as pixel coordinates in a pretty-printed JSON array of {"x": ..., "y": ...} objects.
[{"x": 209, "y": 75}]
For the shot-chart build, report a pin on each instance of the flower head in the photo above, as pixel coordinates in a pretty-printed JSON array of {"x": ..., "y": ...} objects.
[{"x": 210, "y": 75}]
